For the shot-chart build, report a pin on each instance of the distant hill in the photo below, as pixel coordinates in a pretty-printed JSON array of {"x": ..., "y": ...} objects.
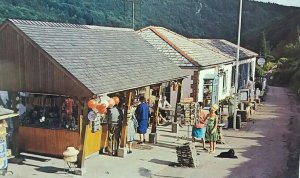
[
  {"x": 192, "y": 18},
  {"x": 278, "y": 33}
]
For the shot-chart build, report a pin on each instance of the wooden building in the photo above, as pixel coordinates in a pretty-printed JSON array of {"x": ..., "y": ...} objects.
[{"x": 53, "y": 62}]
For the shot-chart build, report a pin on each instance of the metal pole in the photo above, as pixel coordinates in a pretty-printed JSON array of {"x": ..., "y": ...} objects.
[
  {"x": 133, "y": 14},
  {"x": 237, "y": 66}
]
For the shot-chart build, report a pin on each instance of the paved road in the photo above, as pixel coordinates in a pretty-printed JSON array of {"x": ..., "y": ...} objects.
[{"x": 262, "y": 147}]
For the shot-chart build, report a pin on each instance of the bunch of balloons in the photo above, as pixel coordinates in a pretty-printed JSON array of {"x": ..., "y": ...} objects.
[{"x": 101, "y": 107}]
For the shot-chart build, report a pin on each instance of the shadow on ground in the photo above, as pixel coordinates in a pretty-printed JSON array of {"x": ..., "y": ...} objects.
[
  {"x": 158, "y": 161},
  {"x": 46, "y": 169},
  {"x": 255, "y": 154}
]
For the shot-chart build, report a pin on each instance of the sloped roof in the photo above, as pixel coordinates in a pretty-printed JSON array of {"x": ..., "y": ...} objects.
[
  {"x": 226, "y": 47},
  {"x": 4, "y": 111},
  {"x": 165, "y": 48},
  {"x": 196, "y": 54},
  {"x": 103, "y": 59}
]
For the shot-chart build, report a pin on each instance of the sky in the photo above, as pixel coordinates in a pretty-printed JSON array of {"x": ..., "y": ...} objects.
[{"x": 284, "y": 2}]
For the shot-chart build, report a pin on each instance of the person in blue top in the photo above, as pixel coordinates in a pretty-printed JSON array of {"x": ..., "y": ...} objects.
[{"x": 142, "y": 113}]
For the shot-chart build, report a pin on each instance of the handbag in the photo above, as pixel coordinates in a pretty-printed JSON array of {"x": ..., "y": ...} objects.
[{"x": 134, "y": 120}]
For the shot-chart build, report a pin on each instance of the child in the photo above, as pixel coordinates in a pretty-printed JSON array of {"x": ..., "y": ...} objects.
[
  {"x": 211, "y": 129},
  {"x": 198, "y": 130}
]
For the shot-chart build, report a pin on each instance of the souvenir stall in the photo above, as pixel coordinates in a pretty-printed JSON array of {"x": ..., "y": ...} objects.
[
  {"x": 49, "y": 124},
  {"x": 67, "y": 93}
]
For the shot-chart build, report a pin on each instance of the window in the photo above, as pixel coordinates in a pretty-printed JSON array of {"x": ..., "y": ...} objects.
[{"x": 207, "y": 92}]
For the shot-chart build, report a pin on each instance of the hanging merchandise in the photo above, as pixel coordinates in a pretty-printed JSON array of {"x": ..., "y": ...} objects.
[
  {"x": 111, "y": 103},
  {"x": 175, "y": 86},
  {"x": 92, "y": 115},
  {"x": 101, "y": 108},
  {"x": 69, "y": 106},
  {"x": 116, "y": 99},
  {"x": 104, "y": 102},
  {"x": 92, "y": 104},
  {"x": 187, "y": 112},
  {"x": 96, "y": 124}
]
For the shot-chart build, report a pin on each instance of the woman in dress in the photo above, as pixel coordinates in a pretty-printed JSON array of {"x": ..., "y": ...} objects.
[
  {"x": 198, "y": 130},
  {"x": 211, "y": 128},
  {"x": 142, "y": 113},
  {"x": 132, "y": 125}
]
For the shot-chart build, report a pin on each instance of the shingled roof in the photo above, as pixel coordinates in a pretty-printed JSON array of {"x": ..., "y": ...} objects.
[
  {"x": 181, "y": 50},
  {"x": 103, "y": 59},
  {"x": 4, "y": 111},
  {"x": 225, "y": 47}
]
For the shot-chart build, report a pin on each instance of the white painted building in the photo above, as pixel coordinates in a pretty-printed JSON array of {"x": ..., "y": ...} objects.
[
  {"x": 205, "y": 67},
  {"x": 247, "y": 61}
]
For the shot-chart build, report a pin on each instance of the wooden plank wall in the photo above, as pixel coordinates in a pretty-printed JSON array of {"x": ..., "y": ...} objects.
[
  {"x": 47, "y": 141},
  {"x": 24, "y": 66},
  {"x": 93, "y": 141}
]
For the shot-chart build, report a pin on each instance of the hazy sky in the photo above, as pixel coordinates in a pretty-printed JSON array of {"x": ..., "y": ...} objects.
[{"x": 284, "y": 2}]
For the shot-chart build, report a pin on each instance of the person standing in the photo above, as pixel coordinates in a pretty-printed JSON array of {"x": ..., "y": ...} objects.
[
  {"x": 132, "y": 126},
  {"x": 211, "y": 134},
  {"x": 114, "y": 118},
  {"x": 198, "y": 130},
  {"x": 250, "y": 86},
  {"x": 142, "y": 113}
]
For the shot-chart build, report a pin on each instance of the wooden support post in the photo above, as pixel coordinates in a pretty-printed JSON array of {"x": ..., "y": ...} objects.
[
  {"x": 156, "y": 109},
  {"x": 83, "y": 129},
  {"x": 125, "y": 126},
  {"x": 178, "y": 98}
]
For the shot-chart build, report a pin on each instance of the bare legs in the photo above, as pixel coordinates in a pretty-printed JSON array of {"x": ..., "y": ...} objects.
[
  {"x": 142, "y": 138},
  {"x": 203, "y": 143},
  {"x": 212, "y": 146},
  {"x": 129, "y": 146}
]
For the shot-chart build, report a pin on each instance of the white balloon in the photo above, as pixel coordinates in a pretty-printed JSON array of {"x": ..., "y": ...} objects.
[{"x": 105, "y": 102}]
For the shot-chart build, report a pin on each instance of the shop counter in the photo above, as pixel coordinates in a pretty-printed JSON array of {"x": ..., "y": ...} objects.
[{"x": 47, "y": 141}]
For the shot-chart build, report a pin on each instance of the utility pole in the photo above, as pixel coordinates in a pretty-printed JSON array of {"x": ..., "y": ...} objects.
[
  {"x": 133, "y": 9},
  {"x": 237, "y": 66},
  {"x": 298, "y": 32},
  {"x": 133, "y": 15}
]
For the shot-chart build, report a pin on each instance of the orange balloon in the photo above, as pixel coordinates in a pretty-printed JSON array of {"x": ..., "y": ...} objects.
[
  {"x": 116, "y": 99},
  {"x": 102, "y": 111},
  {"x": 92, "y": 103},
  {"x": 111, "y": 103},
  {"x": 100, "y": 107}
]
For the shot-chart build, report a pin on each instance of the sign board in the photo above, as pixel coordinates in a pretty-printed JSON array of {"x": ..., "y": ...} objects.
[
  {"x": 244, "y": 94},
  {"x": 187, "y": 100},
  {"x": 261, "y": 61}
]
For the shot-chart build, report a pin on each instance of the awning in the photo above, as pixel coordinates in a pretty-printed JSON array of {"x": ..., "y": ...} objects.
[{"x": 7, "y": 113}]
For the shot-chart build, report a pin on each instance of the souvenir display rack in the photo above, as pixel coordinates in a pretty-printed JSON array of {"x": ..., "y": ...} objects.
[{"x": 187, "y": 112}]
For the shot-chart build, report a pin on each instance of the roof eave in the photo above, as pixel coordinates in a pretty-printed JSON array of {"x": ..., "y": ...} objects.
[{"x": 132, "y": 88}]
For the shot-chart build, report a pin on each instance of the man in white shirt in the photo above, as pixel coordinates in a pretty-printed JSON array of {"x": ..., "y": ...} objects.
[{"x": 162, "y": 105}]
